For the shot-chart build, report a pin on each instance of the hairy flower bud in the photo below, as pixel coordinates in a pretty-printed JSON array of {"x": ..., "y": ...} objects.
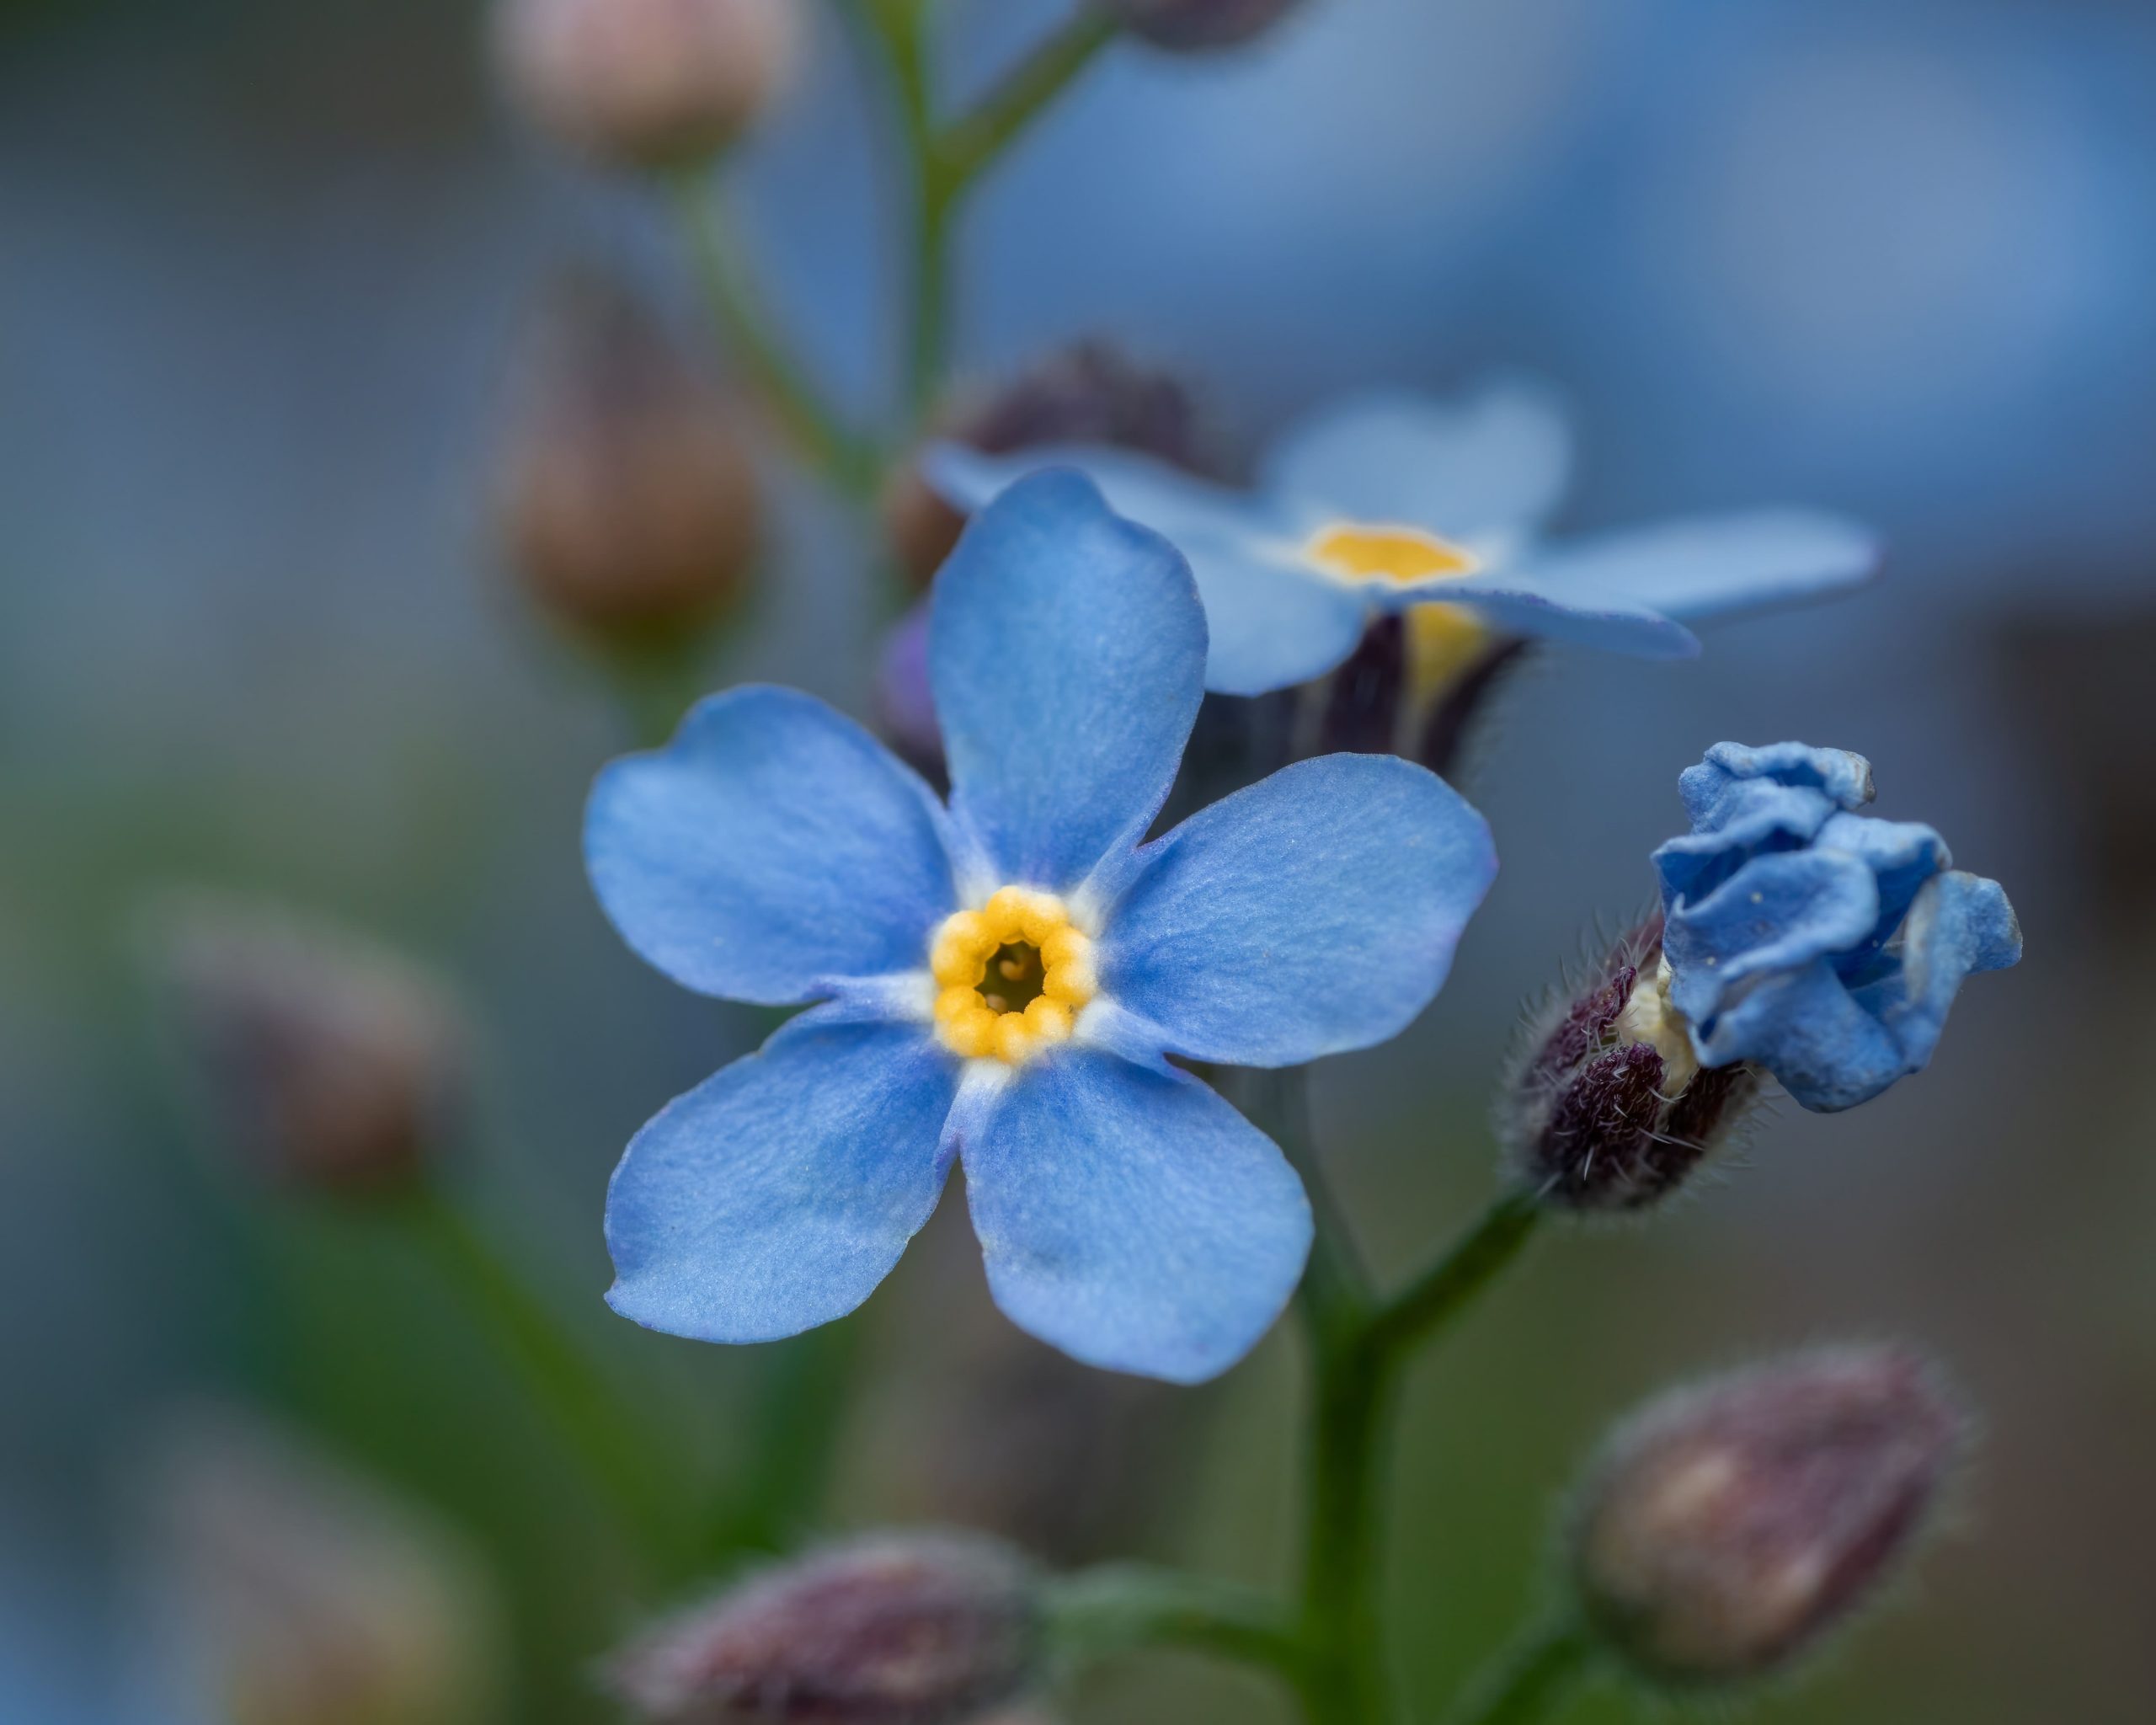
[
  {"x": 627, "y": 501},
  {"x": 334, "y": 1065},
  {"x": 1194, "y": 25},
  {"x": 914, "y": 1629},
  {"x": 1606, "y": 1109},
  {"x": 647, "y": 83},
  {"x": 1726, "y": 1528},
  {"x": 1089, "y": 394}
]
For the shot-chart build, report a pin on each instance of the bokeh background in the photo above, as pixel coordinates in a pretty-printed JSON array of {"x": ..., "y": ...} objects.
[{"x": 263, "y": 264}]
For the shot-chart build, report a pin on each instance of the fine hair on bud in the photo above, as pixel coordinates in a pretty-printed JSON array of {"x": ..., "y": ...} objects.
[
  {"x": 1727, "y": 1528},
  {"x": 627, "y": 500},
  {"x": 330, "y": 1064},
  {"x": 1605, "y": 1107},
  {"x": 1089, "y": 393},
  {"x": 647, "y": 83},
  {"x": 893, "y": 1629},
  {"x": 1195, "y": 26}
]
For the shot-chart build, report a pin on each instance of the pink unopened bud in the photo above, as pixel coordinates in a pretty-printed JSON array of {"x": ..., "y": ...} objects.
[
  {"x": 1090, "y": 393},
  {"x": 647, "y": 84},
  {"x": 1607, "y": 1109},
  {"x": 1727, "y": 1527},
  {"x": 628, "y": 502},
  {"x": 332, "y": 1063},
  {"x": 1192, "y": 26},
  {"x": 922, "y": 1629}
]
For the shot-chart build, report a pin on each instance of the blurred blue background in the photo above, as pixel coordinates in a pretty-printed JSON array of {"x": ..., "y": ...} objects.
[{"x": 264, "y": 266}]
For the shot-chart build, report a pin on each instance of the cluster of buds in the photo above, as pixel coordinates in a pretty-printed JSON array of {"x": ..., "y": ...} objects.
[
  {"x": 1608, "y": 1108},
  {"x": 647, "y": 83},
  {"x": 627, "y": 500},
  {"x": 1726, "y": 1529},
  {"x": 1193, "y": 26},
  {"x": 918, "y": 1629},
  {"x": 334, "y": 1066}
]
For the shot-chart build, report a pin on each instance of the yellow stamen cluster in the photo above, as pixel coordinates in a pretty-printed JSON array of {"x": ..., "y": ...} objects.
[
  {"x": 977, "y": 1022},
  {"x": 1382, "y": 553}
]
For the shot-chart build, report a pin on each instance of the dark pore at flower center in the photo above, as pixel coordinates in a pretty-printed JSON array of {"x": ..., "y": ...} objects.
[{"x": 1013, "y": 981}]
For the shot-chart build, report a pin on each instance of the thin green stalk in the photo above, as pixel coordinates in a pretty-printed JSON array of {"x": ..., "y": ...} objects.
[
  {"x": 1342, "y": 1622},
  {"x": 969, "y": 145},
  {"x": 1436, "y": 1298},
  {"x": 798, "y": 1418},
  {"x": 1533, "y": 1680},
  {"x": 786, "y": 390},
  {"x": 1119, "y": 1608},
  {"x": 641, "y": 1485}
]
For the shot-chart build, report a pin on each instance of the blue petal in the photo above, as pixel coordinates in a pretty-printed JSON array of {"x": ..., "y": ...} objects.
[
  {"x": 771, "y": 844},
  {"x": 1132, "y": 1219},
  {"x": 1958, "y": 924},
  {"x": 1778, "y": 913},
  {"x": 1806, "y": 1029},
  {"x": 1714, "y": 791},
  {"x": 1715, "y": 565},
  {"x": 1141, "y": 487},
  {"x": 1067, "y": 651},
  {"x": 775, "y": 1196},
  {"x": 1313, "y": 912},
  {"x": 1902, "y": 855},
  {"x": 1513, "y": 605},
  {"x": 1497, "y": 461},
  {"x": 1741, "y": 799}
]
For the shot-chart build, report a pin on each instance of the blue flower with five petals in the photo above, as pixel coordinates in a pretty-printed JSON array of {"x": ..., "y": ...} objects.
[
  {"x": 999, "y": 983},
  {"x": 1823, "y": 945},
  {"x": 1394, "y": 502}
]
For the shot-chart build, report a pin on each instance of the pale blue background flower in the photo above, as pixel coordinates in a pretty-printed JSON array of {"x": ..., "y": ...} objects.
[
  {"x": 1824, "y": 945},
  {"x": 774, "y": 851},
  {"x": 1481, "y": 474}
]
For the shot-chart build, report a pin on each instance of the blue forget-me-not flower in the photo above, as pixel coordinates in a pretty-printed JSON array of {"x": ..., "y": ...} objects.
[
  {"x": 1823, "y": 945},
  {"x": 1392, "y": 502},
  {"x": 1000, "y": 981}
]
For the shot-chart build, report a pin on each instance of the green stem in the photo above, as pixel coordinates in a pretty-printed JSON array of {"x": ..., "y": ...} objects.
[
  {"x": 798, "y": 1421},
  {"x": 582, "y": 1398},
  {"x": 1119, "y": 1608},
  {"x": 969, "y": 145},
  {"x": 1436, "y": 1299},
  {"x": 1342, "y": 1623},
  {"x": 1530, "y": 1682},
  {"x": 793, "y": 400}
]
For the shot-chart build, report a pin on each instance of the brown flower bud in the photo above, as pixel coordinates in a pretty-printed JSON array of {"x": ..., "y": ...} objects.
[
  {"x": 911, "y": 1629},
  {"x": 627, "y": 501},
  {"x": 1087, "y": 394},
  {"x": 647, "y": 83},
  {"x": 1607, "y": 1108},
  {"x": 332, "y": 1064},
  {"x": 291, "y": 1592},
  {"x": 1727, "y": 1527},
  {"x": 1193, "y": 26}
]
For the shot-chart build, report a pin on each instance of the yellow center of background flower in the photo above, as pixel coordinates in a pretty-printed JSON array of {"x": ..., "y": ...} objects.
[
  {"x": 1009, "y": 977},
  {"x": 1398, "y": 554}
]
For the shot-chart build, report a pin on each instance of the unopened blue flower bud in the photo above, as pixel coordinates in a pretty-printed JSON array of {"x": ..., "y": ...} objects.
[
  {"x": 1727, "y": 1528},
  {"x": 1606, "y": 1109},
  {"x": 1824, "y": 945},
  {"x": 647, "y": 83},
  {"x": 1190, "y": 26},
  {"x": 1090, "y": 393},
  {"x": 332, "y": 1065},
  {"x": 898, "y": 1629}
]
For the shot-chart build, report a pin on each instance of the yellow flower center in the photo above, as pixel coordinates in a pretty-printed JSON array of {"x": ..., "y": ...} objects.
[
  {"x": 1009, "y": 977},
  {"x": 1359, "y": 552}
]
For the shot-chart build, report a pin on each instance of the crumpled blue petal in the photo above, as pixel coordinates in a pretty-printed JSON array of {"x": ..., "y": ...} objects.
[
  {"x": 1496, "y": 462},
  {"x": 776, "y": 1194},
  {"x": 1713, "y": 566},
  {"x": 1131, "y": 1217},
  {"x": 771, "y": 844},
  {"x": 1067, "y": 652},
  {"x": 1313, "y": 912},
  {"x": 1821, "y": 944},
  {"x": 1778, "y": 913}
]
